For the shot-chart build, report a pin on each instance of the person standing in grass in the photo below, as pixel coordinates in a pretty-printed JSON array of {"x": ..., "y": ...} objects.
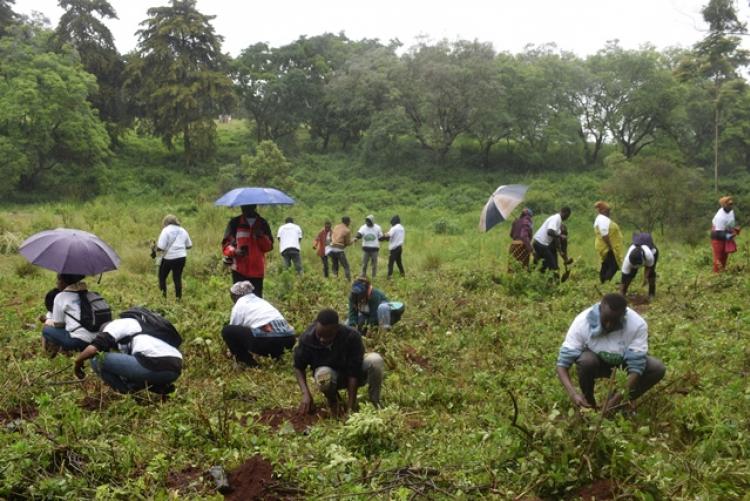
[
  {"x": 723, "y": 231},
  {"x": 290, "y": 236},
  {"x": 370, "y": 233},
  {"x": 547, "y": 241},
  {"x": 642, "y": 252},
  {"x": 255, "y": 327},
  {"x": 322, "y": 245},
  {"x": 246, "y": 241},
  {"x": 174, "y": 242},
  {"x": 341, "y": 238},
  {"x": 336, "y": 355},
  {"x": 602, "y": 338},
  {"x": 607, "y": 242},
  {"x": 395, "y": 237},
  {"x": 521, "y": 232}
]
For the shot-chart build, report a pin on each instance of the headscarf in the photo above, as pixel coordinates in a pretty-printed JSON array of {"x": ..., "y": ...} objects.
[
  {"x": 170, "y": 219},
  {"x": 243, "y": 288},
  {"x": 527, "y": 212},
  {"x": 725, "y": 200}
]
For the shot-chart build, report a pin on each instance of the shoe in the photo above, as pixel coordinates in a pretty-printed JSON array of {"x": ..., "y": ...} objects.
[{"x": 51, "y": 349}]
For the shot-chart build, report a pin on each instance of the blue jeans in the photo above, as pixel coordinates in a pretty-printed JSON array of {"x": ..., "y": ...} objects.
[
  {"x": 126, "y": 375},
  {"x": 63, "y": 339}
]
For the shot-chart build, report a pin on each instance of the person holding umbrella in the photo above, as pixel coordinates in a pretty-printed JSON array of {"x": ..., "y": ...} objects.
[
  {"x": 246, "y": 241},
  {"x": 64, "y": 330},
  {"x": 521, "y": 232}
]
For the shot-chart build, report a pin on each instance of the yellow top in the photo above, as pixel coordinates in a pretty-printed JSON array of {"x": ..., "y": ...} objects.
[{"x": 615, "y": 239}]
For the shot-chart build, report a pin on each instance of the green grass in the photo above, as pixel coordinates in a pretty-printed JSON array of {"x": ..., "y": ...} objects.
[{"x": 472, "y": 340}]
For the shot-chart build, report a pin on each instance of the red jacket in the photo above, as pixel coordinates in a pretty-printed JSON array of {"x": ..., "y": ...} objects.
[
  {"x": 256, "y": 240},
  {"x": 320, "y": 242}
]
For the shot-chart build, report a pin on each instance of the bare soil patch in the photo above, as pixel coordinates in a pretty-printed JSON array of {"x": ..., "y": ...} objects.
[
  {"x": 188, "y": 479},
  {"x": 411, "y": 356},
  {"x": 253, "y": 479},
  {"x": 276, "y": 417},
  {"x": 597, "y": 491},
  {"x": 26, "y": 411}
]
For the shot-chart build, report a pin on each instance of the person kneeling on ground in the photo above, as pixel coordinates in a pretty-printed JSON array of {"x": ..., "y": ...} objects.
[
  {"x": 63, "y": 330},
  {"x": 369, "y": 306},
  {"x": 143, "y": 361},
  {"x": 255, "y": 326},
  {"x": 600, "y": 339},
  {"x": 336, "y": 355}
]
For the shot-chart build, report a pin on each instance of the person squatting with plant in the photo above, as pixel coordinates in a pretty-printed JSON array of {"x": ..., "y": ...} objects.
[
  {"x": 63, "y": 329},
  {"x": 336, "y": 355},
  {"x": 370, "y": 234},
  {"x": 174, "y": 242},
  {"x": 143, "y": 362},
  {"x": 549, "y": 239},
  {"x": 255, "y": 327},
  {"x": 724, "y": 229},
  {"x": 247, "y": 239},
  {"x": 369, "y": 307},
  {"x": 607, "y": 242},
  {"x": 602, "y": 338},
  {"x": 642, "y": 252}
]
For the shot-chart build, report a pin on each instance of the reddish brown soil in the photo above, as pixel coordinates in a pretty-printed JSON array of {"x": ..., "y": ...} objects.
[
  {"x": 94, "y": 403},
  {"x": 638, "y": 302},
  {"x": 277, "y": 417},
  {"x": 25, "y": 411},
  {"x": 411, "y": 356},
  {"x": 250, "y": 480},
  {"x": 185, "y": 480},
  {"x": 597, "y": 491}
]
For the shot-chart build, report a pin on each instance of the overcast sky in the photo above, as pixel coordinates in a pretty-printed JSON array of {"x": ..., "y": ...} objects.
[{"x": 581, "y": 26}]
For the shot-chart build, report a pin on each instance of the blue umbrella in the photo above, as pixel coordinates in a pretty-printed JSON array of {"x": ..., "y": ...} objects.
[
  {"x": 501, "y": 204},
  {"x": 254, "y": 196},
  {"x": 70, "y": 251}
]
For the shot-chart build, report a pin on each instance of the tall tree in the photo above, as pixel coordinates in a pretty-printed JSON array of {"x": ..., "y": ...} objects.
[
  {"x": 7, "y": 16},
  {"x": 179, "y": 77},
  {"x": 81, "y": 27},
  {"x": 49, "y": 132},
  {"x": 717, "y": 59}
]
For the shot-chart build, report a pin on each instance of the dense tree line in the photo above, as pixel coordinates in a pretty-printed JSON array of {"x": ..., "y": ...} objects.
[{"x": 67, "y": 95}]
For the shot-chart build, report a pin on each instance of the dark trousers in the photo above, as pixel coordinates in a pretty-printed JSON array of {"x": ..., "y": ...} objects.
[
  {"x": 243, "y": 344},
  {"x": 257, "y": 282},
  {"x": 292, "y": 256},
  {"x": 394, "y": 256},
  {"x": 609, "y": 267},
  {"x": 175, "y": 266},
  {"x": 325, "y": 265},
  {"x": 340, "y": 257},
  {"x": 590, "y": 367},
  {"x": 548, "y": 255}
]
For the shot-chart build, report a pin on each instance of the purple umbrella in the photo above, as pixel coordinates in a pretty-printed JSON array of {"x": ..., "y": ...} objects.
[{"x": 70, "y": 251}]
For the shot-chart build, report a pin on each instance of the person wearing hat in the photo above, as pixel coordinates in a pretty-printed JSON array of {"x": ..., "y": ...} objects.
[
  {"x": 290, "y": 236},
  {"x": 369, "y": 306},
  {"x": 255, "y": 327},
  {"x": 341, "y": 238},
  {"x": 521, "y": 232},
  {"x": 723, "y": 230},
  {"x": 322, "y": 245},
  {"x": 336, "y": 355},
  {"x": 395, "y": 237},
  {"x": 607, "y": 242},
  {"x": 370, "y": 233},
  {"x": 644, "y": 253},
  {"x": 174, "y": 242}
]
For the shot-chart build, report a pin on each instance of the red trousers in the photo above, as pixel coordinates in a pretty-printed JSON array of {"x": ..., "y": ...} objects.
[{"x": 720, "y": 254}]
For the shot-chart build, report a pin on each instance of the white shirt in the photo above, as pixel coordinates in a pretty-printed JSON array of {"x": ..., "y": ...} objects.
[
  {"x": 601, "y": 223},
  {"x": 632, "y": 336},
  {"x": 648, "y": 259},
  {"x": 724, "y": 221},
  {"x": 69, "y": 302},
  {"x": 175, "y": 241},
  {"x": 554, "y": 222},
  {"x": 289, "y": 235},
  {"x": 253, "y": 312},
  {"x": 396, "y": 234},
  {"x": 142, "y": 344},
  {"x": 370, "y": 236}
]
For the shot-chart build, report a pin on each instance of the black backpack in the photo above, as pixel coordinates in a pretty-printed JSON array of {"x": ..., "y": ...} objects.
[
  {"x": 95, "y": 311},
  {"x": 154, "y": 325}
]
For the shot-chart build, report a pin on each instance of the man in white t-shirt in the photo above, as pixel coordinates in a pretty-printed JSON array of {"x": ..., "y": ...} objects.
[
  {"x": 370, "y": 234},
  {"x": 290, "y": 236},
  {"x": 548, "y": 240},
  {"x": 602, "y": 338},
  {"x": 644, "y": 253},
  {"x": 395, "y": 237}
]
